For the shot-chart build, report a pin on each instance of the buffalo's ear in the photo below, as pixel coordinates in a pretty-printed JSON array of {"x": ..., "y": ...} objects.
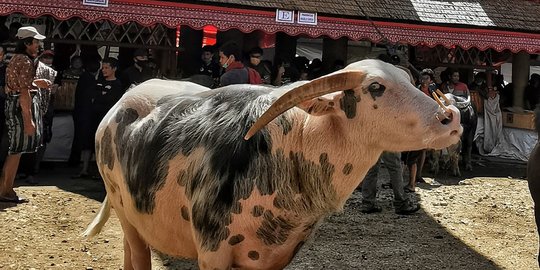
[{"x": 321, "y": 105}]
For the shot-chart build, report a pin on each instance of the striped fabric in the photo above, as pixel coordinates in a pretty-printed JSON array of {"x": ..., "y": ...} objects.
[{"x": 18, "y": 142}]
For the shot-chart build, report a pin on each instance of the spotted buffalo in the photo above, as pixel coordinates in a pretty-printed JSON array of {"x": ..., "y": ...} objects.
[{"x": 241, "y": 176}]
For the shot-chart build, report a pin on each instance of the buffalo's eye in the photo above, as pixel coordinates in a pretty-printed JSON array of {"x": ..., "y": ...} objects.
[{"x": 376, "y": 89}]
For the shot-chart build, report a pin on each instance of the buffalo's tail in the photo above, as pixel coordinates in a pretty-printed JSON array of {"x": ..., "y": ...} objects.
[{"x": 99, "y": 221}]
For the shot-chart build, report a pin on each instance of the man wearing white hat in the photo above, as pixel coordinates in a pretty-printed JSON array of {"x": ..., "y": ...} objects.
[{"x": 23, "y": 114}]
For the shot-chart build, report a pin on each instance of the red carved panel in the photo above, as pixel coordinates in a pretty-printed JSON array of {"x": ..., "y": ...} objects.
[{"x": 150, "y": 12}]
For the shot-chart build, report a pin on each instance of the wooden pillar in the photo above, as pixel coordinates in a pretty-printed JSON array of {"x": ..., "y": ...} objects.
[
  {"x": 285, "y": 47},
  {"x": 334, "y": 49},
  {"x": 520, "y": 76},
  {"x": 191, "y": 43}
]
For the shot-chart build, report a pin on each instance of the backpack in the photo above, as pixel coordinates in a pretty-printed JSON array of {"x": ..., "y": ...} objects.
[{"x": 253, "y": 76}]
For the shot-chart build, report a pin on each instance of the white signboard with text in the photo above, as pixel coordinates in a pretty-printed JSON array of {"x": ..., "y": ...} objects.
[
  {"x": 307, "y": 18},
  {"x": 284, "y": 16},
  {"x": 287, "y": 16},
  {"x": 99, "y": 3}
]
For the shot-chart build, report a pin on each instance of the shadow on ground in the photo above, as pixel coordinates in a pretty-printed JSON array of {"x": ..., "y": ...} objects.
[
  {"x": 482, "y": 167},
  {"x": 350, "y": 240},
  {"x": 60, "y": 175}
]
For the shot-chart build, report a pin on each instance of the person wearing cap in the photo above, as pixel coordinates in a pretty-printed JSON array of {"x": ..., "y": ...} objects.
[
  {"x": 138, "y": 72},
  {"x": 23, "y": 113}
]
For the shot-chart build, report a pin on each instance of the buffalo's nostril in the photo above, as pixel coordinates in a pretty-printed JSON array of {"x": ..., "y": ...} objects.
[
  {"x": 446, "y": 121},
  {"x": 454, "y": 132}
]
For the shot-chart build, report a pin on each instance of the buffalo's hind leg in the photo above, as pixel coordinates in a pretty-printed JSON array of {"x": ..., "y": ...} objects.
[
  {"x": 137, "y": 254},
  {"x": 218, "y": 260}
]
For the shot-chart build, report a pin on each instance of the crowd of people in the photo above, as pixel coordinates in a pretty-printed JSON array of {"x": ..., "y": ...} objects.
[{"x": 29, "y": 82}]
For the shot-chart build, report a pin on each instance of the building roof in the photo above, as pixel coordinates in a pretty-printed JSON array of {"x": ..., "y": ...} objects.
[
  {"x": 413, "y": 23},
  {"x": 517, "y": 15}
]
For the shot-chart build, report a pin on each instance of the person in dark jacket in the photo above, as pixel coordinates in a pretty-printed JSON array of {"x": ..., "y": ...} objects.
[
  {"x": 139, "y": 72},
  {"x": 230, "y": 60},
  {"x": 256, "y": 62},
  {"x": 107, "y": 92},
  {"x": 82, "y": 112}
]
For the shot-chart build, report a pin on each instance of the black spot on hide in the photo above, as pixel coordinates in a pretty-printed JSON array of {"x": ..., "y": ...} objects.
[
  {"x": 185, "y": 213},
  {"x": 254, "y": 255},
  {"x": 214, "y": 122},
  {"x": 230, "y": 157},
  {"x": 106, "y": 153},
  {"x": 257, "y": 211},
  {"x": 98, "y": 148},
  {"x": 347, "y": 169},
  {"x": 236, "y": 239},
  {"x": 348, "y": 103},
  {"x": 323, "y": 158},
  {"x": 376, "y": 90},
  {"x": 138, "y": 154},
  {"x": 182, "y": 179},
  {"x": 285, "y": 123},
  {"x": 280, "y": 202},
  {"x": 274, "y": 230},
  {"x": 236, "y": 208}
]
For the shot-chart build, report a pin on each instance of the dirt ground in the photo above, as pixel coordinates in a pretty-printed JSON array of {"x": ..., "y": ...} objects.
[{"x": 483, "y": 220}]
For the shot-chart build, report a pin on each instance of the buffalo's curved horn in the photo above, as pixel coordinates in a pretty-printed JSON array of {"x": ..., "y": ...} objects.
[{"x": 328, "y": 84}]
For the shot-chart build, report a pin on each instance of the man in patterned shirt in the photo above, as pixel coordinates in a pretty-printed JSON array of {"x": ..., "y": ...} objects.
[{"x": 23, "y": 112}]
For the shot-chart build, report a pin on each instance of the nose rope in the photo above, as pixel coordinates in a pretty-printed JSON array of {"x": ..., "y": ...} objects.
[
  {"x": 445, "y": 110},
  {"x": 446, "y": 100}
]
